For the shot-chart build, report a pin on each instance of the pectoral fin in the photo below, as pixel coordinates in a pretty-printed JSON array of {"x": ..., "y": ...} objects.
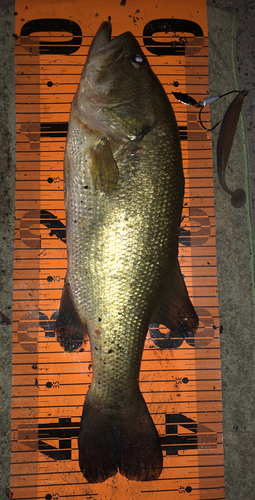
[
  {"x": 177, "y": 312},
  {"x": 69, "y": 327},
  {"x": 103, "y": 168}
]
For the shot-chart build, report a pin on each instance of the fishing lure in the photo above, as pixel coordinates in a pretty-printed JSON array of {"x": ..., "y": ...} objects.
[
  {"x": 225, "y": 138},
  {"x": 224, "y": 144}
]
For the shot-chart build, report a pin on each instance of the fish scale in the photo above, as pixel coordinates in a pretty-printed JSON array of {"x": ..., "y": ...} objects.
[{"x": 122, "y": 242}]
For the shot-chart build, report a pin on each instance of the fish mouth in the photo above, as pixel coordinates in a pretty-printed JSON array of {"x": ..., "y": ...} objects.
[
  {"x": 101, "y": 38},
  {"x": 105, "y": 52}
]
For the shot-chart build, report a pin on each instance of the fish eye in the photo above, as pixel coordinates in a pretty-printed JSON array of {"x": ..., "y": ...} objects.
[{"x": 138, "y": 60}]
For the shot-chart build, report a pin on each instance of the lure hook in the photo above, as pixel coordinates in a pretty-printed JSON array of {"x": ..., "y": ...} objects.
[{"x": 190, "y": 101}]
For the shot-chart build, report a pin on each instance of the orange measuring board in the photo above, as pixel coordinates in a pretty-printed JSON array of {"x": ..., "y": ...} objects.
[{"x": 180, "y": 379}]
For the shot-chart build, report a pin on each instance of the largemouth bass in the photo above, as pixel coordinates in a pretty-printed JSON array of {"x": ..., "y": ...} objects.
[{"x": 123, "y": 199}]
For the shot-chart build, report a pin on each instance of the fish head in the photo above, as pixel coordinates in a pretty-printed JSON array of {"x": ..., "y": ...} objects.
[{"x": 117, "y": 93}]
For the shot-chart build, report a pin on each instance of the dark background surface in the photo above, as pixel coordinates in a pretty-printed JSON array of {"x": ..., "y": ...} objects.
[{"x": 234, "y": 247}]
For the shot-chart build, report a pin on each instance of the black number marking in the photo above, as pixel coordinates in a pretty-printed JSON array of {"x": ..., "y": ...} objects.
[
  {"x": 183, "y": 131},
  {"x": 199, "y": 233},
  {"x": 163, "y": 340},
  {"x": 27, "y": 330},
  {"x": 202, "y": 338},
  {"x": 205, "y": 332},
  {"x": 54, "y": 224},
  {"x": 29, "y": 238},
  {"x": 184, "y": 237},
  {"x": 177, "y": 439},
  {"x": 66, "y": 47},
  {"x": 53, "y": 129},
  {"x": 32, "y": 132},
  {"x": 36, "y": 217},
  {"x": 48, "y": 325},
  {"x": 63, "y": 431},
  {"x": 28, "y": 324},
  {"x": 59, "y": 129},
  {"x": 181, "y": 45}
]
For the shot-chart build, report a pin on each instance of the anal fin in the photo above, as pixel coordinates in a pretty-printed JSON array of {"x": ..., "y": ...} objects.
[
  {"x": 177, "y": 312},
  {"x": 69, "y": 327}
]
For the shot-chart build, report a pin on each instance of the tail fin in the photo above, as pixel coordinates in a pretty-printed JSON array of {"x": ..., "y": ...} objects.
[{"x": 125, "y": 440}]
